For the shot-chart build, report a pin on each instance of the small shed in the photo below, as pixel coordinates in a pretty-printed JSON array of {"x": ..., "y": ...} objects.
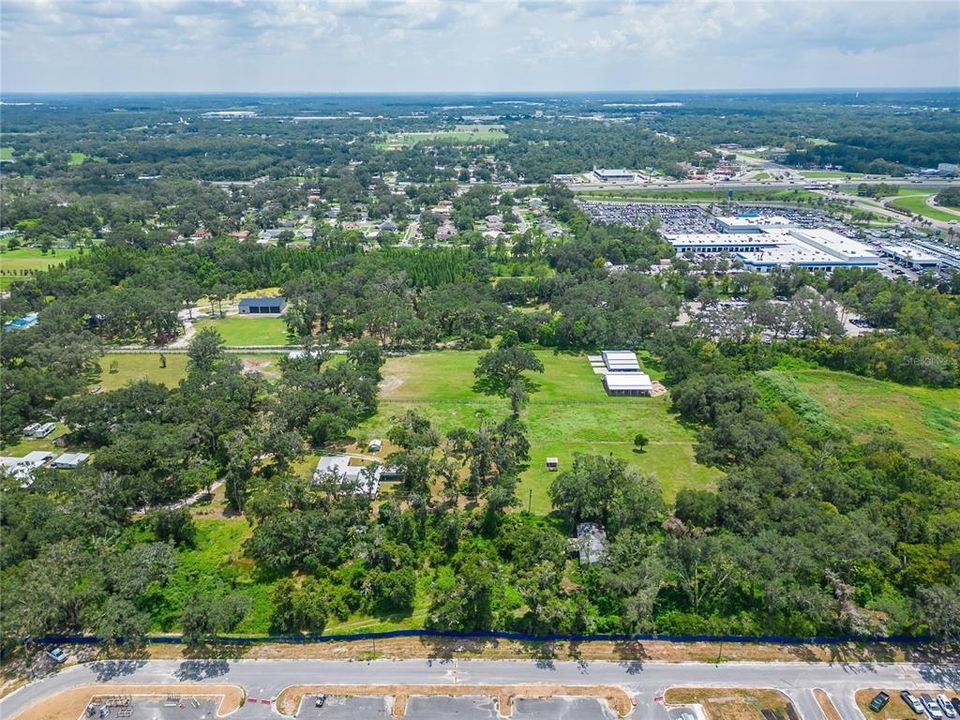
[
  {"x": 262, "y": 306},
  {"x": 375, "y": 445},
  {"x": 553, "y": 464}
]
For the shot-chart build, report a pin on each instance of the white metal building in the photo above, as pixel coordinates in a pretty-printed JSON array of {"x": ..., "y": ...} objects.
[
  {"x": 339, "y": 467},
  {"x": 69, "y": 461},
  {"x": 621, "y": 361},
  {"x": 615, "y": 175},
  {"x": 628, "y": 383},
  {"x": 752, "y": 223}
]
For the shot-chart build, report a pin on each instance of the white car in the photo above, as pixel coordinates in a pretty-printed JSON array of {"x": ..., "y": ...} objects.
[
  {"x": 946, "y": 706},
  {"x": 57, "y": 655},
  {"x": 932, "y": 708}
]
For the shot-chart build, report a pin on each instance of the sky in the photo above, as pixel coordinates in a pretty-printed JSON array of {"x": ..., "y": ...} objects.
[{"x": 291, "y": 46}]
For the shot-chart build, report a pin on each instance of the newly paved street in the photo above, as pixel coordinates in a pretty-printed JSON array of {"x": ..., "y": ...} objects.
[{"x": 647, "y": 680}]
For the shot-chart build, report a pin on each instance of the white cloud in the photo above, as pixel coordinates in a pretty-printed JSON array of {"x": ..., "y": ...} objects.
[{"x": 344, "y": 45}]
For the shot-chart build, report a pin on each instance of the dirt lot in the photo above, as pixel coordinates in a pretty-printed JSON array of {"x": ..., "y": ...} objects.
[
  {"x": 729, "y": 703},
  {"x": 616, "y": 698},
  {"x": 659, "y": 651},
  {"x": 70, "y": 703}
]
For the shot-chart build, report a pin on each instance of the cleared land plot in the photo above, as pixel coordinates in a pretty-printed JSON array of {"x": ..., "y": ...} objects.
[
  {"x": 146, "y": 366},
  {"x": 131, "y": 367},
  {"x": 570, "y": 413},
  {"x": 245, "y": 331},
  {"x": 18, "y": 264},
  {"x": 71, "y": 703},
  {"x": 729, "y": 703},
  {"x": 926, "y": 420},
  {"x": 6, "y": 153},
  {"x": 461, "y": 134}
]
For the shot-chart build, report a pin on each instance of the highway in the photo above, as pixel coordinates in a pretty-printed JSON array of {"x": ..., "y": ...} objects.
[{"x": 646, "y": 680}]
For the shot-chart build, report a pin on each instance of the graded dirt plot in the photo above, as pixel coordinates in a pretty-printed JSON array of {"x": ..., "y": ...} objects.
[
  {"x": 569, "y": 413},
  {"x": 730, "y": 703},
  {"x": 71, "y": 703},
  {"x": 926, "y": 420}
]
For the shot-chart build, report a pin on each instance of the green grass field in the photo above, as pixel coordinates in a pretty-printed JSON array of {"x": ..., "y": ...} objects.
[
  {"x": 570, "y": 413},
  {"x": 915, "y": 202},
  {"x": 215, "y": 565},
  {"x": 79, "y": 158},
  {"x": 6, "y": 153},
  {"x": 17, "y": 264},
  {"x": 926, "y": 420},
  {"x": 246, "y": 331},
  {"x": 146, "y": 366},
  {"x": 827, "y": 174},
  {"x": 462, "y": 134}
]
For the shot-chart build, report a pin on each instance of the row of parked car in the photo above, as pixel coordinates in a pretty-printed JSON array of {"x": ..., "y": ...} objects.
[{"x": 937, "y": 708}]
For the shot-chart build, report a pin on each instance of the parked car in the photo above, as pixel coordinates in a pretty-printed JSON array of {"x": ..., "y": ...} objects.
[
  {"x": 946, "y": 706},
  {"x": 956, "y": 704},
  {"x": 320, "y": 700},
  {"x": 57, "y": 655},
  {"x": 879, "y": 701},
  {"x": 932, "y": 707},
  {"x": 912, "y": 701}
]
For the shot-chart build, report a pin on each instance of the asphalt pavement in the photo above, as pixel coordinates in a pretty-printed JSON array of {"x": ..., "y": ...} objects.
[{"x": 647, "y": 681}]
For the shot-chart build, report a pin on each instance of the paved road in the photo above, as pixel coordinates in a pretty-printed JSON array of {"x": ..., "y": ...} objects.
[{"x": 266, "y": 678}]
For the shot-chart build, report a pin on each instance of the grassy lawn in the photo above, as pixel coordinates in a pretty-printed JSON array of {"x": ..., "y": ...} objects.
[
  {"x": 27, "y": 445},
  {"x": 6, "y": 153},
  {"x": 926, "y": 420},
  {"x": 146, "y": 366},
  {"x": 570, "y": 413},
  {"x": 17, "y": 264},
  {"x": 141, "y": 366},
  {"x": 827, "y": 174},
  {"x": 729, "y": 703},
  {"x": 914, "y": 202},
  {"x": 462, "y": 134},
  {"x": 243, "y": 330}
]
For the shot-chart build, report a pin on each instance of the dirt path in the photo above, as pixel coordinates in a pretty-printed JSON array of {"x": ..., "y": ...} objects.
[
  {"x": 630, "y": 651},
  {"x": 826, "y": 704},
  {"x": 289, "y": 700},
  {"x": 71, "y": 703}
]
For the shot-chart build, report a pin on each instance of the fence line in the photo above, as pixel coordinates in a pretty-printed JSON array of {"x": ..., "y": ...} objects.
[{"x": 504, "y": 635}]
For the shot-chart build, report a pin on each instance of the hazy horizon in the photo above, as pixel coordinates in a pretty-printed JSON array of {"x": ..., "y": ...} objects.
[{"x": 495, "y": 47}]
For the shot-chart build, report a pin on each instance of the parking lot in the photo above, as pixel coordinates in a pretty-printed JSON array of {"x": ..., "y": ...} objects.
[{"x": 440, "y": 707}]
